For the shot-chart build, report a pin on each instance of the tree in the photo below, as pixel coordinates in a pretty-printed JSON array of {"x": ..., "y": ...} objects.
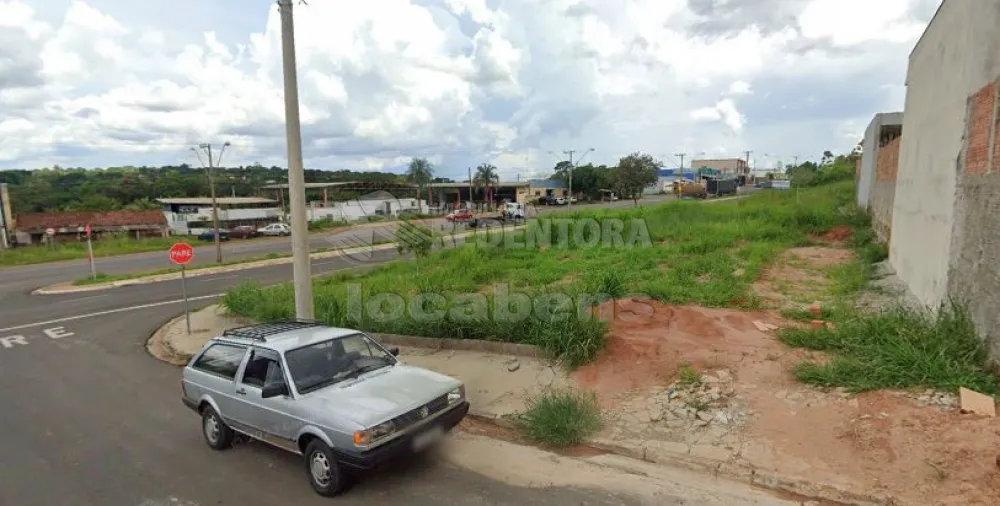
[
  {"x": 635, "y": 172},
  {"x": 486, "y": 176},
  {"x": 561, "y": 170},
  {"x": 144, "y": 204},
  {"x": 420, "y": 172},
  {"x": 412, "y": 237},
  {"x": 827, "y": 158}
]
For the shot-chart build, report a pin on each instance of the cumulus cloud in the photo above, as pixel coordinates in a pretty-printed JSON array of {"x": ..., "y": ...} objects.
[{"x": 459, "y": 81}]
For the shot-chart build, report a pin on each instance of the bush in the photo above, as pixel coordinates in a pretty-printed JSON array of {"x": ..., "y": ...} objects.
[{"x": 561, "y": 417}]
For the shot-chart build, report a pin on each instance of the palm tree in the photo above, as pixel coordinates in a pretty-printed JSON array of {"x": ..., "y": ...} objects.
[
  {"x": 486, "y": 176},
  {"x": 420, "y": 173}
]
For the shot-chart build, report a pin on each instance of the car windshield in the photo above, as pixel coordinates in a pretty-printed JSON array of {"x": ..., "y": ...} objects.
[{"x": 323, "y": 364}]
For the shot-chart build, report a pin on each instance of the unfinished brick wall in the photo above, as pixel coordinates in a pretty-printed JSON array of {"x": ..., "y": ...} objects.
[
  {"x": 884, "y": 191},
  {"x": 974, "y": 267},
  {"x": 980, "y": 130}
]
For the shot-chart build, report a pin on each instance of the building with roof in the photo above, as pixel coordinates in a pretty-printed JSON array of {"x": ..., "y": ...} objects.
[
  {"x": 32, "y": 228},
  {"x": 193, "y": 216},
  {"x": 724, "y": 166}
]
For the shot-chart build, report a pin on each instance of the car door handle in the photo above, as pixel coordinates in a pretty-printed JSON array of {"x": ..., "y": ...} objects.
[{"x": 241, "y": 391}]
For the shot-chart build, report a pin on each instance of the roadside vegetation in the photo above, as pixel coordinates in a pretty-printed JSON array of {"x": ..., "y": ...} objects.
[
  {"x": 105, "y": 247},
  {"x": 694, "y": 253},
  {"x": 561, "y": 417},
  {"x": 899, "y": 347}
]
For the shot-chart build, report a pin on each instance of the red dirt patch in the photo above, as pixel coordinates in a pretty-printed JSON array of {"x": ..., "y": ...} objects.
[
  {"x": 797, "y": 275},
  {"x": 649, "y": 341},
  {"x": 838, "y": 234},
  {"x": 877, "y": 442}
]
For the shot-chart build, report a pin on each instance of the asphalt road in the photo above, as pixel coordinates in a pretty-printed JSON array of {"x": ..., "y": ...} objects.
[{"x": 89, "y": 418}]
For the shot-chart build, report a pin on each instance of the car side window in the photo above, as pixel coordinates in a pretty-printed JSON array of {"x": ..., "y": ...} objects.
[
  {"x": 262, "y": 367},
  {"x": 221, "y": 359}
]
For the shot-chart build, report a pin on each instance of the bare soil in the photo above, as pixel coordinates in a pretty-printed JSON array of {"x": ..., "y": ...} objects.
[
  {"x": 879, "y": 442},
  {"x": 798, "y": 276}
]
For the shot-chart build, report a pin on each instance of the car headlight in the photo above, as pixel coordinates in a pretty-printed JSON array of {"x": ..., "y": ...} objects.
[
  {"x": 366, "y": 437},
  {"x": 456, "y": 395}
]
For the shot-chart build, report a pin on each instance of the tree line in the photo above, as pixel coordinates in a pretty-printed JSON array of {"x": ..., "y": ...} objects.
[{"x": 136, "y": 188}]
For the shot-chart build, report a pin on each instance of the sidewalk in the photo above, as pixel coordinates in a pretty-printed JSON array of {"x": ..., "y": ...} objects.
[{"x": 496, "y": 384}]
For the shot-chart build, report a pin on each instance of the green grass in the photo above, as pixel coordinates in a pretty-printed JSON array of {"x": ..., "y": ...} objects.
[
  {"x": 561, "y": 417},
  {"x": 106, "y": 246},
  {"x": 900, "y": 348},
  {"x": 706, "y": 254}
]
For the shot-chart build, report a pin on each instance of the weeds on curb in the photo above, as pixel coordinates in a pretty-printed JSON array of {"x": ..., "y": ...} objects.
[
  {"x": 900, "y": 348},
  {"x": 561, "y": 417}
]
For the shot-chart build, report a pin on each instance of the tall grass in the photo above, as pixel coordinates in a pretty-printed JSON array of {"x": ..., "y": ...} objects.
[
  {"x": 706, "y": 254},
  {"x": 561, "y": 417},
  {"x": 900, "y": 348}
]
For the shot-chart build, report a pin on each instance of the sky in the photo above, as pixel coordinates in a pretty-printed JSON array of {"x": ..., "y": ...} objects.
[{"x": 515, "y": 83}]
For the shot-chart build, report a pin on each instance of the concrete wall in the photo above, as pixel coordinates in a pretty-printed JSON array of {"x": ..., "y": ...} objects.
[
  {"x": 956, "y": 56},
  {"x": 883, "y": 190},
  {"x": 869, "y": 154},
  {"x": 946, "y": 215}
]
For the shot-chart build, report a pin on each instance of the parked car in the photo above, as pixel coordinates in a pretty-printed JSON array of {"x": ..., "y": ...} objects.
[
  {"x": 275, "y": 229},
  {"x": 244, "y": 232},
  {"x": 335, "y": 396},
  {"x": 209, "y": 235},
  {"x": 459, "y": 215}
]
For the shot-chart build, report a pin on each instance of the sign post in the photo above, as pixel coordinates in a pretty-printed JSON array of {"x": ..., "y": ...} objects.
[
  {"x": 50, "y": 234},
  {"x": 181, "y": 254},
  {"x": 90, "y": 254}
]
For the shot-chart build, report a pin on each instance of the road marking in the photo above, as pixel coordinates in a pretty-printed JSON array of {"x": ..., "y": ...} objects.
[
  {"x": 217, "y": 279},
  {"x": 110, "y": 311},
  {"x": 82, "y": 298},
  {"x": 8, "y": 342}
]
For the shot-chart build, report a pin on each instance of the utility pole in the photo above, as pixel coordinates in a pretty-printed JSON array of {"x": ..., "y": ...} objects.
[
  {"x": 211, "y": 188},
  {"x": 748, "y": 152},
  {"x": 795, "y": 162},
  {"x": 572, "y": 166},
  {"x": 681, "y": 156},
  {"x": 472, "y": 202},
  {"x": 5, "y": 218},
  {"x": 301, "y": 268}
]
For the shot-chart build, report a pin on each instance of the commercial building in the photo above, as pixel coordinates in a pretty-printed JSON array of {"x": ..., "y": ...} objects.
[
  {"x": 525, "y": 192},
  {"x": 34, "y": 228},
  {"x": 876, "y": 176},
  {"x": 193, "y": 216},
  {"x": 727, "y": 166},
  {"x": 945, "y": 234}
]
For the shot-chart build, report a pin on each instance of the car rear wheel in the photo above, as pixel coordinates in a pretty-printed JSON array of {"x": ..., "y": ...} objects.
[
  {"x": 218, "y": 435},
  {"x": 325, "y": 475}
]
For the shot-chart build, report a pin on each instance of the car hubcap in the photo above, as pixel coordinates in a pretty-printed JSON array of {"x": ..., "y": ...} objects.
[
  {"x": 320, "y": 468},
  {"x": 212, "y": 429}
]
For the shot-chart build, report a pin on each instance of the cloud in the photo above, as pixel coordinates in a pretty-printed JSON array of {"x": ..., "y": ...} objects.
[{"x": 104, "y": 82}]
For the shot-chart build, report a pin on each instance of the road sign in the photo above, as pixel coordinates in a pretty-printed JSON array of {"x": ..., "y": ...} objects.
[
  {"x": 50, "y": 232},
  {"x": 87, "y": 230},
  {"x": 181, "y": 253}
]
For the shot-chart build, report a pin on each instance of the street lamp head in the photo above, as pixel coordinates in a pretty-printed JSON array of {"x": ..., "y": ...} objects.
[{"x": 226, "y": 143}]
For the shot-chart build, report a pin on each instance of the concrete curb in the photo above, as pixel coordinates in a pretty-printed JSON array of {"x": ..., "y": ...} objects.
[
  {"x": 755, "y": 476},
  {"x": 68, "y": 288},
  {"x": 161, "y": 349}
]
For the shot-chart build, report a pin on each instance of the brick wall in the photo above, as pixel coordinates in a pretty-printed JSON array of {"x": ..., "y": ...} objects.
[
  {"x": 884, "y": 190},
  {"x": 974, "y": 267},
  {"x": 977, "y": 151}
]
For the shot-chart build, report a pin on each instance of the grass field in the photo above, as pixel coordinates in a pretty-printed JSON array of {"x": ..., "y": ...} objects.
[{"x": 706, "y": 254}]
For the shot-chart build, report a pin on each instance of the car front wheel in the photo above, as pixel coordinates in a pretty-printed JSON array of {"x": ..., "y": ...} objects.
[
  {"x": 218, "y": 435},
  {"x": 325, "y": 474}
]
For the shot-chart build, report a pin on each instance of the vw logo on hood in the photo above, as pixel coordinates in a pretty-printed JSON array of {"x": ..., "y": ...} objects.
[{"x": 424, "y": 412}]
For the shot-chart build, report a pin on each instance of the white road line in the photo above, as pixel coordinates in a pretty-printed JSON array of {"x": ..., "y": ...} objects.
[
  {"x": 110, "y": 311},
  {"x": 218, "y": 278},
  {"x": 82, "y": 298}
]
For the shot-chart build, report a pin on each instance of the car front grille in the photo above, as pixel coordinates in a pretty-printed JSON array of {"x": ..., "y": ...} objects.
[{"x": 415, "y": 415}]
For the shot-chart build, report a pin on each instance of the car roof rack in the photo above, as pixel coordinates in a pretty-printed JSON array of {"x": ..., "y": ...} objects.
[{"x": 261, "y": 331}]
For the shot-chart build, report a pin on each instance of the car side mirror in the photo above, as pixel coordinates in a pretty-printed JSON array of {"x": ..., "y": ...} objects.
[
  {"x": 394, "y": 351},
  {"x": 274, "y": 390}
]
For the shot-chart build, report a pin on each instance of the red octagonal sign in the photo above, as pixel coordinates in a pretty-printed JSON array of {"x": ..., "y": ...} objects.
[{"x": 181, "y": 253}]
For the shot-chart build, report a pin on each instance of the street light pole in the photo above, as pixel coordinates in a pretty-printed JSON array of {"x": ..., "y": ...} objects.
[
  {"x": 572, "y": 166},
  {"x": 301, "y": 269}
]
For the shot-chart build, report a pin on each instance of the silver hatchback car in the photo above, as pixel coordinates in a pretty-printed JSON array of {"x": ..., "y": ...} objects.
[{"x": 333, "y": 395}]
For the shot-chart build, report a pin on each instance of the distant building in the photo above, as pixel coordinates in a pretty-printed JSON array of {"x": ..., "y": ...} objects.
[
  {"x": 728, "y": 166},
  {"x": 193, "y": 216},
  {"x": 31, "y": 228}
]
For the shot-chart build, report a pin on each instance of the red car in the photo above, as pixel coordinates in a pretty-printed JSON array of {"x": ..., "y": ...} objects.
[{"x": 459, "y": 215}]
